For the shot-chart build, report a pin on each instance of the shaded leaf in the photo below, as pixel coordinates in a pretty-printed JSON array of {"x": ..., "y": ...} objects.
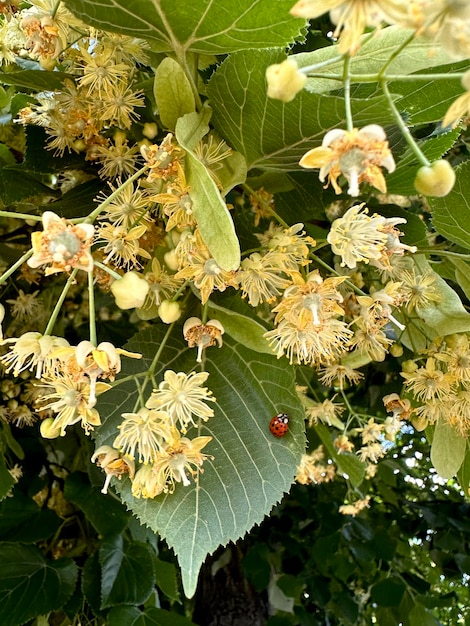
[
  {"x": 31, "y": 585},
  {"x": 250, "y": 470},
  {"x": 402, "y": 179},
  {"x": 451, "y": 214},
  {"x": 204, "y": 27},
  {"x": 36, "y": 80},
  {"x": 127, "y": 575},
  {"x": 166, "y": 579},
  {"x": 133, "y": 616},
  {"x": 388, "y": 592},
  {"x": 105, "y": 513},
  {"x": 447, "y": 449},
  {"x": 6, "y": 479},
  {"x": 21, "y": 519}
]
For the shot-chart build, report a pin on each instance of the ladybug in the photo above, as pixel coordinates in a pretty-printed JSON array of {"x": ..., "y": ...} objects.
[{"x": 279, "y": 425}]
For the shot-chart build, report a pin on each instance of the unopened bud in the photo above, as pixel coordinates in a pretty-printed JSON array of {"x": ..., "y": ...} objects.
[
  {"x": 130, "y": 291},
  {"x": 48, "y": 429},
  {"x": 169, "y": 311},
  {"x": 284, "y": 80}
]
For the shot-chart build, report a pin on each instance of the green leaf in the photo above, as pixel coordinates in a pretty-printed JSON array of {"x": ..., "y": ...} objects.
[
  {"x": 203, "y": 27},
  {"x": 6, "y": 479},
  {"x": 251, "y": 469},
  {"x": 127, "y": 575},
  {"x": 36, "y": 80},
  {"x": 91, "y": 582},
  {"x": 31, "y": 585},
  {"x": 166, "y": 579},
  {"x": 447, "y": 449},
  {"x": 273, "y": 135},
  {"x": 426, "y": 101},
  {"x": 213, "y": 218},
  {"x": 420, "y": 615},
  {"x": 17, "y": 184},
  {"x": 173, "y": 93},
  {"x": 463, "y": 474},
  {"x": 451, "y": 214},
  {"x": 133, "y": 616},
  {"x": 421, "y": 53},
  {"x": 243, "y": 329},
  {"x": 402, "y": 179},
  {"x": 105, "y": 513},
  {"x": 439, "y": 318},
  {"x": 21, "y": 519},
  {"x": 388, "y": 592}
]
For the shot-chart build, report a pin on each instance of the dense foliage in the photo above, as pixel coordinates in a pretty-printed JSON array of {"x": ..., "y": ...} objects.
[{"x": 234, "y": 297}]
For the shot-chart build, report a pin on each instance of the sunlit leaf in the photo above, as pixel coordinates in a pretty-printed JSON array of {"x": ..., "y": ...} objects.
[
  {"x": 204, "y": 27},
  {"x": 251, "y": 469}
]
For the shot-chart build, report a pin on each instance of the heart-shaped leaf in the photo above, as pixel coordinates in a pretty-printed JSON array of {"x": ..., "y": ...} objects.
[
  {"x": 250, "y": 469},
  {"x": 204, "y": 27}
]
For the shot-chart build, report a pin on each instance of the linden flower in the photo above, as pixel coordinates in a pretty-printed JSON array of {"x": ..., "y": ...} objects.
[
  {"x": 358, "y": 237},
  {"x": 429, "y": 383},
  {"x": 113, "y": 464},
  {"x": 202, "y": 335},
  {"x": 145, "y": 431},
  {"x": 314, "y": 468},
  {"x": 358, "y": 155},
  {"x": 182, "y": 396},
  {"x": 63, "y": 245},
  {"x": 352, "y": 16},
  {"x": 147, "y": 483},
  {"x": 261, "y": 277},
  {"x": 103, "y": 361},
  {"x": 70, "y": 399},
  {"x": 30, "y": 350},
  {"x": 178, "y": 457}
]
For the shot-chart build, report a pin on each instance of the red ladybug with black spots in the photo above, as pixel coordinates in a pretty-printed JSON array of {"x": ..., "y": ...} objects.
[{"x": 279, "y": 425}]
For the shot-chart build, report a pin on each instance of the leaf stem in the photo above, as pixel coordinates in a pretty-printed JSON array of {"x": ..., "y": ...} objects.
[
  {"x": 347, "y": 92},
  {"x": 60, "y": 301},
  {"x": 21, "y": 216},
  {"x": 91, "y": 309},
  {"x": 15, "y": 266},
  {"x": 403, "y": 127}
]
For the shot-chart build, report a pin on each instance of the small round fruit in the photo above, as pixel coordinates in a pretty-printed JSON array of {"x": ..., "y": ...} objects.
[
  {"x": 436, "y": 179},
  {"x": 279, "y": 425}
]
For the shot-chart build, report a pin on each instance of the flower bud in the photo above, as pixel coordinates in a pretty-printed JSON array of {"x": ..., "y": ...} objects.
[
  {"x": 436, "y": 179},
  {"x": 150, "y": 130},
  {"x": 48, "y": 429},
  {"x": 130, "y": 291},
  {"x": 169, "y": 311},
  {"x": 396, "y": 349},
  {"x": 284, "y": 80},
  {"x": 171, "y": 260}
]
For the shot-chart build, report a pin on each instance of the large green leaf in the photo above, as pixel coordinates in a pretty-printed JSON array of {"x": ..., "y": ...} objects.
[
  {"x": 204, "y": 27},
  {"x": 451, "y": 214},
  {"x": 274, "y": 135},
  {"x": 251, "y": 469},
  {"x": 6, "y": 479},
  {"x": 31, "y": 585},
  {"x": 34, "y": 79}
]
